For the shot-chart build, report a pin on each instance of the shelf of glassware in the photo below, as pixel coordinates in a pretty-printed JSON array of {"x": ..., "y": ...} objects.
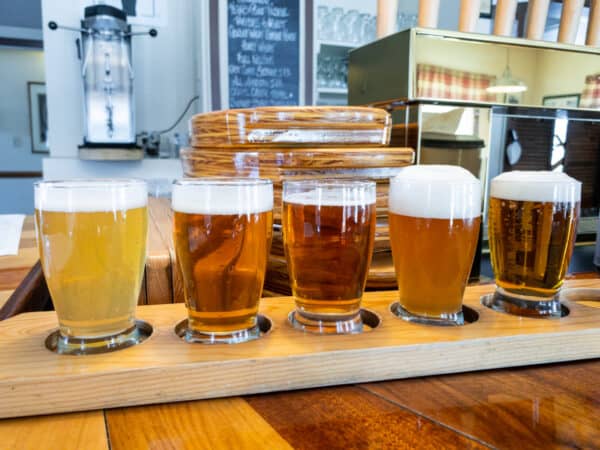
[{"x": 332, "y": 95}]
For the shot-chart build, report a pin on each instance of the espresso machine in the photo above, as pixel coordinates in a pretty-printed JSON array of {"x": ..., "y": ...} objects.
[
  {"x": 490, "y": 104},
  {"x": 104, "y": 49}
]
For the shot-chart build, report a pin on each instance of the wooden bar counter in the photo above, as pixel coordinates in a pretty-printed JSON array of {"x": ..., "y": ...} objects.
[{"x": 551, "y": 406}]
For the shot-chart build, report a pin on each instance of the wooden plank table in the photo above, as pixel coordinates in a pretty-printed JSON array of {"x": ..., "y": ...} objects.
[{"x": 552, "y": 406}]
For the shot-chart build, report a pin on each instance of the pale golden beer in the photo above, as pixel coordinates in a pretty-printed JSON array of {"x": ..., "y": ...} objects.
[
  {"x": 92, "y": 243},
  {"x": 222, "y": 231},
  {"x": 434, "y": 218},
  {"x": 532, "y": 229},
  {"x": 328, "y": 230}
]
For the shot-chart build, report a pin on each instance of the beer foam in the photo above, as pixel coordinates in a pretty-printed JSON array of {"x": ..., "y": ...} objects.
[
  {"x": 226, "y": 197},
  {"x": 536, "y": 186},
  {"x": 435, "y": 192},
  {"x": 90, "y": 195},
  {"x": 333, "y": 196}
]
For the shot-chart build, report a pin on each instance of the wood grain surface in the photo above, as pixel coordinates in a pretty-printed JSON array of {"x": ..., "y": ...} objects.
[
  {"x": 159, "y": 284},
  {"x": 291, "y": 125},
  {"x": 349, "y": 417},
  {"x": 228, "y": 423},
  {"x": 551, "y": 406},
  {"x": 536, "y": 407},
  {"x": 59, "y": 432},
  {"x": 376, "y": 164},
  {"x": 396, "y": 349},
  {"x": 4, "y": 295}
]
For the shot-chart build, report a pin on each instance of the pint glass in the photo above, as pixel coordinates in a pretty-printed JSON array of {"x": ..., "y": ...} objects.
[
  {"x": 91, "y": 237},
  {"x": 434, "y": 217},
  {"x": 222, "y": 233},
  {"x": 532, "y": 228},
  {"x": 328, "y": 232}
]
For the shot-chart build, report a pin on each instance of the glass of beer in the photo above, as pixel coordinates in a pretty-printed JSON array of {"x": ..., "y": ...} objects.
[
  {"x": 532, "y": 229},
  {"x": 222, "y": 229},
  {"x": 328, "y": 233},
  {"x": 91, "y": 237},
  {"x": 434, "y": 219}
]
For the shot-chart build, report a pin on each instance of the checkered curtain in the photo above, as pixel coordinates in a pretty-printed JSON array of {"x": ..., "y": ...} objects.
[
  {"x": 441, "y": 82},
  {"x": 590, "y": 97}
]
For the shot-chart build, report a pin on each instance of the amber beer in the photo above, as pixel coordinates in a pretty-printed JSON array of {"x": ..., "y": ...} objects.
[
  {"x": 434, "y": 218},
  {"x": 328, "y": 232},
  {"x": 532, "y": 229},
  {"x": 222, "y": 232},
  {"x": 92, "y": 243}
]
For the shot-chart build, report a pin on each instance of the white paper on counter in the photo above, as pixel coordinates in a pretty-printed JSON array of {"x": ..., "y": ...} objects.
[{"x": 11, "y": 226}]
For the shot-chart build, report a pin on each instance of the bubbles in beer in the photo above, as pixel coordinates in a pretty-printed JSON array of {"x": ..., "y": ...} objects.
[
  {"x": 536, "y": 186},
  {"x": 435, "y": 191},
  {"x": 226, "y": 197}
]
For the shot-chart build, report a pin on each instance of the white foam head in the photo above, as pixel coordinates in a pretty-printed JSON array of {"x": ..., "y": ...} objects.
[
  {"x": 436, "y": 192},
  {"x": 330, "y": 193},
  {"x": 90, "y": 195},
  {"x": 222, "y": 196},
  {"x": 536, "y": 186}
]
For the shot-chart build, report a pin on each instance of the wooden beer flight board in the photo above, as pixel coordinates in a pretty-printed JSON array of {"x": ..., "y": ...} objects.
[{"x": 34, "y": 380}]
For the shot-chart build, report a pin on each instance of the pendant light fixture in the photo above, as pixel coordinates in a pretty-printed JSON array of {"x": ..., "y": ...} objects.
[{"x": 506, "y": 84}]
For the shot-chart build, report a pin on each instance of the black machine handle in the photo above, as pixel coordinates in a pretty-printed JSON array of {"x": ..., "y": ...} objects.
[
  {"x": 54, "y": 26},
  {"x": 152, "y": 32}
]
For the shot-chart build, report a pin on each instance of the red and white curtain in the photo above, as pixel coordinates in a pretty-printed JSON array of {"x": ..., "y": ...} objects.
[
  {"x": 441, "y": 82},
  {"x": 590, "y": 97}
]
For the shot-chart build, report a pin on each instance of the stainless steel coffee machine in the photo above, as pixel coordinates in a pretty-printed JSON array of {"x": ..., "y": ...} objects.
[{"x": 104, "y": 49}]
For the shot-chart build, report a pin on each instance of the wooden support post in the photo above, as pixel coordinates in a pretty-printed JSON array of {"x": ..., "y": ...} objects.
[
  {"x": 428, "y": 13},
  {"x": 593, "y": 29},
  {"x": 536, "y": 19},
  {"x": 387, "y": 12},
  {"x": 569, "y": 21},
  {"x": 469, "y": 15},
  {"x": 506, "y": 11}
]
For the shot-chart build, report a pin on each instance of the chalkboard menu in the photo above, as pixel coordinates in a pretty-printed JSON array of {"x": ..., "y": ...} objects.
[{"x": 264, "y": 52}]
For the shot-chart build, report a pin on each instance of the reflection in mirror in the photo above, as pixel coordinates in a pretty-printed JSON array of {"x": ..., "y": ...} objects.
[{"x": 466, "y": 70}]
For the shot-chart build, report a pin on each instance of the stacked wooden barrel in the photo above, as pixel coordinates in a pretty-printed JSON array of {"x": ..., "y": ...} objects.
[{"x": 289, "y": 143}]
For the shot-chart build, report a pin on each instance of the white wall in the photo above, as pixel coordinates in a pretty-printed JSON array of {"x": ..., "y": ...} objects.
[
  {"x": 165, "y": 73},
  {"x": 568, "y": 73},
  {"x": 17, "y": 66}
]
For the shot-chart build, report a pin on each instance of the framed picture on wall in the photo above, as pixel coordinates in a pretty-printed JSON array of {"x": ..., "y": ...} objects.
[
  {"x": 561, "y": 101},
  {"x": 38, "y": 116},
  {"x": 485, "y": 8}
]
